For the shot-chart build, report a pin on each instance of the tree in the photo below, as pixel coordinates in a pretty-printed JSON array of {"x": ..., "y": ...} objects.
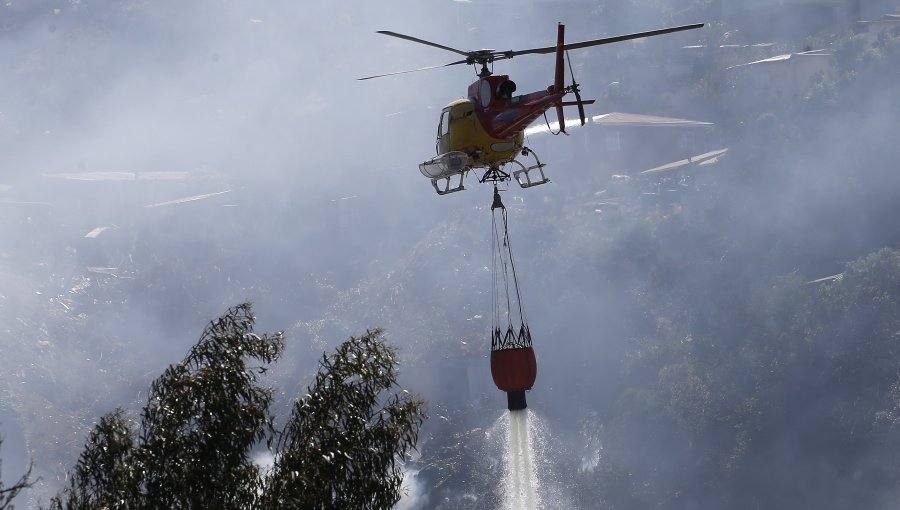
[
  {"x": 727, "y": 379},
  {"x": 107, "y": 474},
  {"x": 340, "y": 447},
  {"x": 192, "y": 449},
  {"x": 7, "y": 494},
  {"x": 204, "y": 417},
  {"x": 206, "y": 414}
]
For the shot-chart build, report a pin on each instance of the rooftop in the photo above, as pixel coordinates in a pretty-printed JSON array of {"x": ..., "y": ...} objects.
[
  {"x": 120, "y": 176},
  {"x": 786, "y": 57},
  {"x": 634, "y": 119},
  {"x": 705, "y": 159},
  {"x": 618, "y": 119}
]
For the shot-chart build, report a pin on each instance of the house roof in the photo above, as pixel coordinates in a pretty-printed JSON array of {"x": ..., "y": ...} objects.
[
  {"x": 786, "y": 57},
  {"x": 708, "y": 158},
  {"x": 121, "y": 176},
  {"x": 619, "y": 119},
  {"x": 886, "y": 19},
  {"x": 185, "y": 200},
  {"x": 829, "y": 279}
]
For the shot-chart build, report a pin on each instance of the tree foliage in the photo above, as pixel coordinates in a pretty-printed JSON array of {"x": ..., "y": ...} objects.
[
  {"x": 204, "y": 416},
  {"x": 7, "y": 494},
  {"x": 341, "y": 445},
  {"x": 107, "y": 474},
  {"x": 790, "y": 377}
]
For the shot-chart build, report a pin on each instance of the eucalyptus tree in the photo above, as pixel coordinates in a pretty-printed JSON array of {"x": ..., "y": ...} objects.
[
  {"x": 191, "y": 447},
  {"x": 341, "y": 445}
]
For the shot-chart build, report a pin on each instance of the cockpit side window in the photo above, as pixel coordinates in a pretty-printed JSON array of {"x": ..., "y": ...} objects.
[{"x": 485, "y": 93}]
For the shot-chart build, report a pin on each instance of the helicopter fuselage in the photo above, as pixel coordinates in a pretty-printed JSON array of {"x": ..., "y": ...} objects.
[{"x": 488, "y": 125}]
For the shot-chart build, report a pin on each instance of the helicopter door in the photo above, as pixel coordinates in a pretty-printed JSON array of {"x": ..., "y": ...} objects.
[{"x": 443, "y": 130}]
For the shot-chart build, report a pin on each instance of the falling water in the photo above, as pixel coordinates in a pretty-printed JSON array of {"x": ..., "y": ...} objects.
[
  {"x": 527, "y": 459},
  {"x": 520, "y": 489}
]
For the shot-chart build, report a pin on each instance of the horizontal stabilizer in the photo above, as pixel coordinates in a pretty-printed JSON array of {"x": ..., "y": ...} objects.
[{"x": 575, "y": 103}]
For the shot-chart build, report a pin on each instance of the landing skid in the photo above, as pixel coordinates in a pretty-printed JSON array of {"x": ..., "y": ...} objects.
[
  {"x": 524, "y": 176},
  {"x": 447, "y": 172},
  {"x": 448, "y": 185}
]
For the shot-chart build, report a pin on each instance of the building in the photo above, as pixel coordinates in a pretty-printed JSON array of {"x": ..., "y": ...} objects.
[
  {"x": 789, "y": 76},
  {"x": 887, "y": 24},
  {"x": 874, "y": 9},
  {"x": 790, "y": 20}
]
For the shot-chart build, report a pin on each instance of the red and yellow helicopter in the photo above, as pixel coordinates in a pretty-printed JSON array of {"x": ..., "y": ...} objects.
[{"x": 485, "y": 130}]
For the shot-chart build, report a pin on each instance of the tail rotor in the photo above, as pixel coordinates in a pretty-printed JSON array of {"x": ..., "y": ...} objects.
[{"x": 574, "y": 88}]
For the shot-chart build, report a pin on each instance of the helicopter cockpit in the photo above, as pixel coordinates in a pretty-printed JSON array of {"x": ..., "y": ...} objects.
[{"x": 454, "y": 113}]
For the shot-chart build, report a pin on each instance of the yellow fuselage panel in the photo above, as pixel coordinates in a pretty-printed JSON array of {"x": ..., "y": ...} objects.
[{"x": 461, "y": 131}]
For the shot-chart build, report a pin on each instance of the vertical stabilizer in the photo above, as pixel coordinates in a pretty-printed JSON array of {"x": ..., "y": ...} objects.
[{"x": 560, "y": 72}]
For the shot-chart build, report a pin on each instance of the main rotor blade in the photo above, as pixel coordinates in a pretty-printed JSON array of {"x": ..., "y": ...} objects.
[
  {"x": 423, "y": 41},
  {"x": 413, "y": 70},
  {"x": 597, "y": 42}
]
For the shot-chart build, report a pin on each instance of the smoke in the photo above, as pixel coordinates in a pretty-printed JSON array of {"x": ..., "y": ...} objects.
[
  {"x": 415, "y": 495},
  {"x": 281, "y": 179}
]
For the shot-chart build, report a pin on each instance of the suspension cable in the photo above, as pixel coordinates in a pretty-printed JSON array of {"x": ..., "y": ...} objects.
[
  {"x": 513, "y": 266},
  {"x": 558, "y": 131},
  {"x": 502, "y": 266}
]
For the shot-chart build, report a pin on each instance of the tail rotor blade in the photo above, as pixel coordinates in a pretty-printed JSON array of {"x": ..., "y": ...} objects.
[
  {"x": 562, "y": 119},
  {"x": 580, "y": 106},
  {"x": 575, "y": 90}
]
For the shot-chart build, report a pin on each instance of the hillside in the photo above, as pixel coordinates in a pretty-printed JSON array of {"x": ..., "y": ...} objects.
[{"x": 722, "y": 336}]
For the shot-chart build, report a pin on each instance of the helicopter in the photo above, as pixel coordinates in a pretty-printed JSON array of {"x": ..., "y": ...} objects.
[{"x": 485, "y": 130}]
